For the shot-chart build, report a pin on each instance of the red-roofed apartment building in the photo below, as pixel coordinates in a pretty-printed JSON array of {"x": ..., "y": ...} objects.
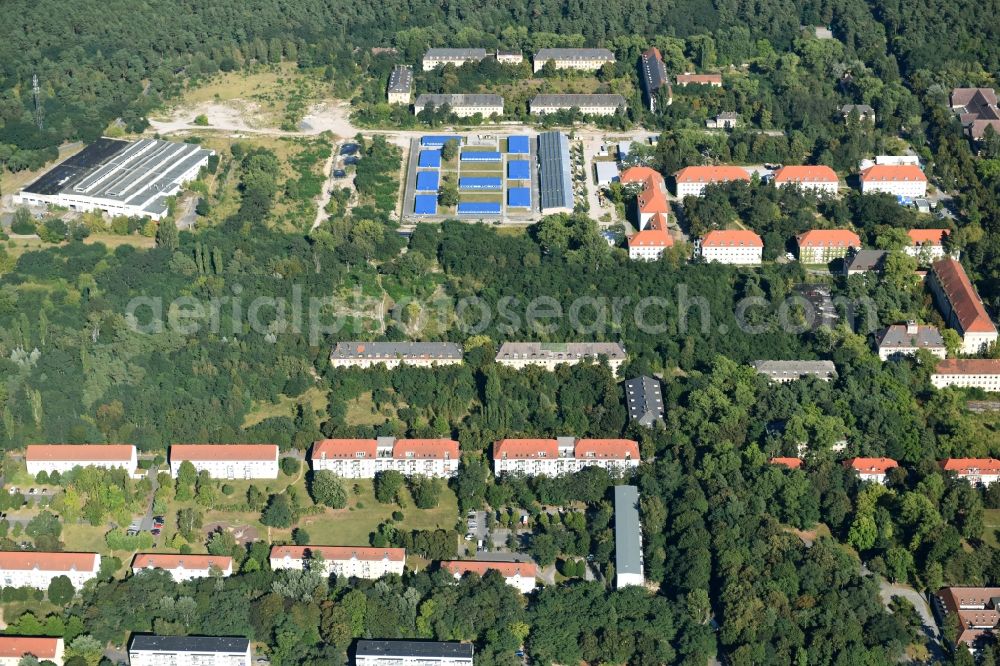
[
  {"x": 364, "y": 458},
  {"x": 37, "y": 569},
  {"x": 901, "y": 180},
  {"x": 926, "y": 245},
  {"x": 686, "y": 79},
  {"x": 814, "y": 177},
  {"x": 184, "y": 567},
  {"x": 732, "y": 246},
  {"x": 977, "y": 610},
  {"x": 520, "y": 575},
  {"x": 563, "y": 455},
  {"x": 64, "y": 457},
  {"x": 692, "y": 181},
  {"x": 871, "y": 469},
  {"x": 15, "y": 648},
  {"x": 653, "y": 208},
  {"x": 981, "y": 373},
  {"x": 960, "y": 305},
  {"x": 341, "y": 561},
  {"x": 821, "y": 246},
  {"x": 228, "y": 461},
  {"x": 977, "y": 471}
]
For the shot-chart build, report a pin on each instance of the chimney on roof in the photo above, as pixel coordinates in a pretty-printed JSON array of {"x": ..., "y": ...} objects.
[{"x": 911, "y": 327}]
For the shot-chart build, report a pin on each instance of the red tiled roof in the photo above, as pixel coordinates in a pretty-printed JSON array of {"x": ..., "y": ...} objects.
[
  {"x": 343, "y": 448},
  {"x": 731, "y": 238},
  {"x": 699, "y": 78},
  {"x": 932, "y": 236},
  {"x": 639, "y": 174},
  {"x": 80, "y": 452},
  {"x": 223, "y": 452},
  {"x": 19, "y": 646},
  {"x": 48, "y": 561},
  {"x": 168, "y": 561},
  {"x": 606, "y": 448},
  {"x": 711, "y": 174},
  {"x": 805, "y": 174},
  {"x": 655, "y": 235},
  {"x": 425, "y": 448},
  {"x": 971, "y": 465},
  {"x": 368, "y": 553},
  {"x": 894, "y": 173},
  {"x": 525, "y": 449},
  {"x": 506, "y": 569},
  {"x": 954, "y": 598},
  {"x": 968, "y": 366},
  {"x": 652, "y": 198},
  {"x": 871, "y": 465},
  {"x": 828, "y": 238},
  {"x": 794, "y": 463},
  {"x": 962, "y": 296}
]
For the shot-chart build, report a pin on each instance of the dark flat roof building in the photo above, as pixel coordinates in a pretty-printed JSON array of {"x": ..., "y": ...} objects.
[
  {"x": 644, "y": 400},
  {"x": 148, "y": 650},
  {"x": 412, "y": 653},
  {"x": 628, "y": 538},
  {"x": 654, "y": 76},
  {"x": 555, "y": 181}
]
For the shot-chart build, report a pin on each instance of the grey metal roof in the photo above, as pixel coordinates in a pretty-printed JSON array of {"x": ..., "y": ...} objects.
[
  {"x": 394, "y": 350},
  {"x": 148, "y": 643},
  {"x": 72, "y": 169},
  {"x": 796, "y": 369},
  {"x": 575, "y": 54},
  {"x": 582, "y": 102},
  {"x": 628, "y": 531},
  {"x": 866, "y": 260},
  {"x": 560, "y": 350},
  {"x": 452, "y": 54},
  {"x": 654, "y": 72},
  {"x": 862, "y": 109},
  {"x": 424, "y": 649},
  {"x": 456, "y": 101},
  {"x": 644, "y": 400},
  {"x": 926, "y": 337},
  {"x": 555, "y": 182},
  {"x": 401, "y": 79}
]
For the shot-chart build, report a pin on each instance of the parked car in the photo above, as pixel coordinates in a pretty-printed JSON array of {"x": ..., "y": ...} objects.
[
  {"x": 32, "y": 491},
  {"x": 155, "y": 531},
  {"x": 158, "y": 519}
]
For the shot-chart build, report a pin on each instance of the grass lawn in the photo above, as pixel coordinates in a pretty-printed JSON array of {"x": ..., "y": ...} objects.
[
  {"x": 111, "y": 241},
  {"x": 314, "y": 396},
  {"x": 495, "y": 197},
  {"x": 482, "y": 169},
  {"x": 351, "y": 526},
  {"x": 991, "y": 524},
  {"x": 362, "y": 411},
  {"x": 85, "y": 538}
]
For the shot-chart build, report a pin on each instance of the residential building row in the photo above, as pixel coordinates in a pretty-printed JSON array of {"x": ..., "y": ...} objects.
[
  {"x": 462, "y": 105},
  {"x": 587, "y": 104},
  {"x": 13, "y": 649},
  {"x": 149, "y": 650},
  {"x": 412, "y": 653},
  {"x": 36, "y": 569},
  {"x": 584, "y": 59},
  {"x": 364, "y": 458},
  {"x": 184, "y": 567},
  {"x": 740, "y": 247},
  {"x": 563, "y": 455},
  {"x": 981, "y": 373},
  {"x": 342, "y": 561},
  {"x": 519, "y": 575},
  {"x": 62, "y": 458},
  {"x": 907, "y": 339},
  {"x": 550, "y": 355}
]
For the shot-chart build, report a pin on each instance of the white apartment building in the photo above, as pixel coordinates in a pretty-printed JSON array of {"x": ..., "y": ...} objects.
[
  {"x": 588, "y": 104},
  {"x": 462, "y": 105},
  {"x": 907, "y": 339},
  {"x": 783, "y": 372},
  {"x": 434, "y": 58},
  {"x": 400, "y": 88},
  {"x": 146, "y": 650},
  {"x": 184, "y": 567},
  {"x": 821, "y": 246},
  {"x": 563, "y": 455},
  {"x": 364, "y": 458},
  {"x": 820, "y": 179},
  {"x": 588, "y": 60},
  {"x": 64, "y": 457},
  {"x": 871, "y": 469},
  {"x": 550, "y": 355},
  {"x": 360, "y": 354},
  {"x": 691, "y": 181},
  {"x": 509, "y": 57},
  {"x": 14, "y": 648},
  {"x": 412, "y": 653},
  {"x": 519, "y": 575},
  {"x": 37, "y": 569},
  {"x": 903, "y": 180},
  {"x": 977, "y": 471},
  {"x": 926, "y": 245},
  {"x": 981, "y": 373},
  {"x": 734, "y": 246},
  {"x": 341, "y": 561},
  {"x": 228, "y": 461}
]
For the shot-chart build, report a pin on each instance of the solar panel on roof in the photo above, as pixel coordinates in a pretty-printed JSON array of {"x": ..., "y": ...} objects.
[
  {"x": 518, "y": 145},
  {"x": 519, "y": 197},
  {"x": 425, "y": 204},
  {"x": 479, "y": 183},
  {"x": 518, "y": 170},
  {"x": 429, "y": 158},
  {"x": 478, "y": 207},
  {"x": 427, "y": 181}
]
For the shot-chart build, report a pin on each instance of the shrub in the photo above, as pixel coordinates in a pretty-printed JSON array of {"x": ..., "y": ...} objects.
[{"x": 290, "y": 465}]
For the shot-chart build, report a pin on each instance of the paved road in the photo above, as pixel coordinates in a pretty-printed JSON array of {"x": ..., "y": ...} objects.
[
  {"x": 889, "y": 590},
  {"x": 146, "y": 523}
]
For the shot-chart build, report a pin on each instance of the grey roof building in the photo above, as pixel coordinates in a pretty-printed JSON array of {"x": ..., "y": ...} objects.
[
  {"x": 865, "y": 112},
  {"x": 905, "y": 339},
  {"x": 563, "y": 352},
  {"x": 365, "y": 354},
  {"x": 396, "y": 653},
  {"x": 555, "y": 181},
  {"x": 458, "y": 57},
  {"x": 460, "y": 101},
  {"x": 628, "y": 538},
  {"x": 644, "y": 400},
  {"x": 589, "y": 59},
  {"x": 400, "y": 84},
  {"x": 146, "y": 649},
  {"x": 789, "y": 371},
  {"x": 600, "y": 104},
  {"x": 654, "y": 76},
  {"x": 863, "y": 261}
]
